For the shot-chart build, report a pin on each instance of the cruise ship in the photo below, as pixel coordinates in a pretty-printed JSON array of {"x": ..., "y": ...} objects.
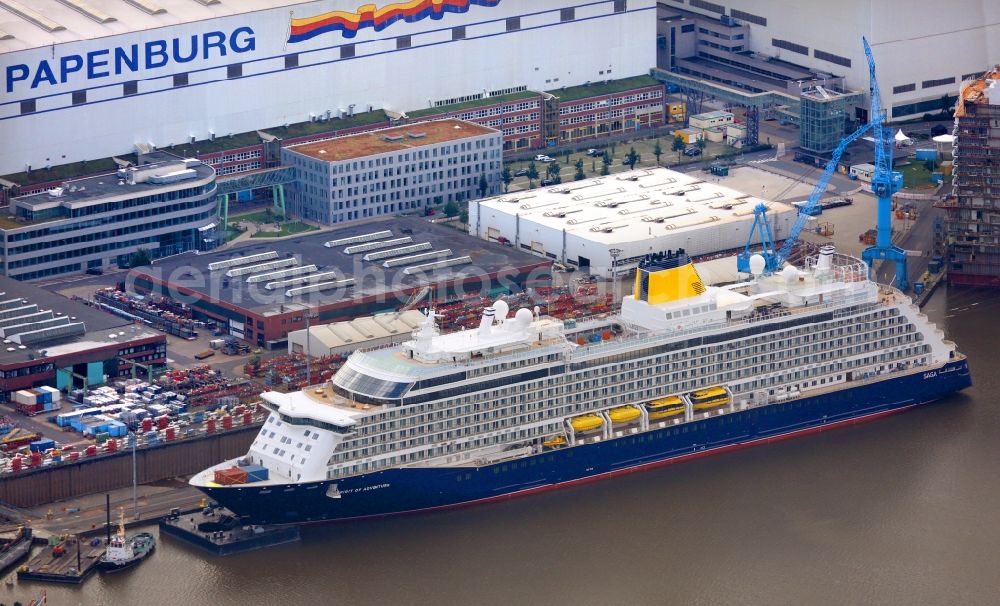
[{"x": 525, "y": 403}]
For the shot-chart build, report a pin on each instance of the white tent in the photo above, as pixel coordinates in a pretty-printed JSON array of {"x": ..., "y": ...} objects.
[
  {"x": 901, "y": 138},
  {"x": 944, "y": 138}
]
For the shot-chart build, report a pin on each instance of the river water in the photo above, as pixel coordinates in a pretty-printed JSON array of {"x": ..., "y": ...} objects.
[{"x": 903, "y": 510}]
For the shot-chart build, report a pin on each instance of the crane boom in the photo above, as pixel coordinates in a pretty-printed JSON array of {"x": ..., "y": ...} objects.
[{"x": 818, "y": 191}]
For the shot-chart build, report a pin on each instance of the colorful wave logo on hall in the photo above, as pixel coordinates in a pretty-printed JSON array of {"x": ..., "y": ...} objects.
[{"x": 369, "y": 15}]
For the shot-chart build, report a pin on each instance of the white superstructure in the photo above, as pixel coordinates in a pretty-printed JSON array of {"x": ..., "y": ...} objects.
[
  {"x": 77, "y": 87},
  {"x": 637, "y": 212}
]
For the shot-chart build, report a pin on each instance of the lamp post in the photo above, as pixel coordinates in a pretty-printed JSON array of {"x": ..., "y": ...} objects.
[
  {"x": 135, "y": 479},
  {"x": 615, "y": 253},
  {"x": 309, "y": 316}
]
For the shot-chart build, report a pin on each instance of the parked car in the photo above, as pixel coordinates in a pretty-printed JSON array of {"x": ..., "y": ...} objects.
[
  {"x": 692, "y": 151},
  {"x": 595, "y": 152},
  {"x": 547, "y": 182},
  {"x": 95, "y": 271},
  {"x": 543, "y": 158},
  {"x": 521, "y": 172}
]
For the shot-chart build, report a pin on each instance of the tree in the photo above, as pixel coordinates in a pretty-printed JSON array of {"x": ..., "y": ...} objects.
[
  {"x": 464, "y": 216},
  {"x": 631, "y": 158},
  {"x": 605, "y": 163},
  {"x": 566, "y": 154},
  {"x": 579, "y": 171},
  {"x": 451, "y": 209},
  {"x": 552, "y": 170},
  {"x": 140, "y": 257},
  {"x": 532, "y": 174},
  {"x": 657, "y": 151},
  {"x": 506, "y": 177},
  {"x": 678, "y": 146},
  {"x": 701, "y": 143},
  {"x": 484, "y": 185}
]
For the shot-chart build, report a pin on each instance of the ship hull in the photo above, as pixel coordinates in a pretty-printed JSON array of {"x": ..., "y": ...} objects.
[{"x": 409, "y": 490}]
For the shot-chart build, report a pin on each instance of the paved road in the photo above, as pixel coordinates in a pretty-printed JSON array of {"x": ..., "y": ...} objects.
[
  {"x": 919, "y": 238},
  {"x": 87, "y": 513}
]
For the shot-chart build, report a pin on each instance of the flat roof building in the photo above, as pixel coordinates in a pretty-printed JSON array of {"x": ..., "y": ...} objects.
[
  {"x": 593, "y": 223},
  {"x": 393, "y": 170},
  {"x": 262, "y": 290},
  {"x": 174, "y": 72},
  {"x": 345, "y": 337},
  {"x": 165, "y": 205},
  {"x": 47, "y": 339}
]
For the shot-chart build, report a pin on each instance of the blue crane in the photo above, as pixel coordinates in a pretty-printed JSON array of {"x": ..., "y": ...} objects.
[
  {"x": 774, "y": 260},
  {"x": 884, "y": 183}
]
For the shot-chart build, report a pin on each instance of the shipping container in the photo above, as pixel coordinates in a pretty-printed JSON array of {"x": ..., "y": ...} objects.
[
  {"x": 255, "y": 473},
  {"x": 42, "y": 445}
]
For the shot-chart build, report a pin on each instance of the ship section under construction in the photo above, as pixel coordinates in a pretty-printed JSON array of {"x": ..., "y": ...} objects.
[
  {"x": 972, "y": 223},
  {"x": 525, "y": 403}
]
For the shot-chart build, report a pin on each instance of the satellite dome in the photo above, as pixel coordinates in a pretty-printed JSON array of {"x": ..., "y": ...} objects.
[
  {"x": 501, "y": 309},
  {"x": 757, "y": 264},
  {"x": 523, "y": 316},
  {"x": 790, "y": 274}
]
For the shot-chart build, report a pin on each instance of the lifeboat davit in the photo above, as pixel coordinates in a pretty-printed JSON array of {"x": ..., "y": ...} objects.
[
  {"x": 624, "y": 414},
  {"x": 587, "y": 422}
]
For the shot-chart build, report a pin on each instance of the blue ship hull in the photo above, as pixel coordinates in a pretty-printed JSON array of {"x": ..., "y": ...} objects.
[{"x": 396, "y": 491}]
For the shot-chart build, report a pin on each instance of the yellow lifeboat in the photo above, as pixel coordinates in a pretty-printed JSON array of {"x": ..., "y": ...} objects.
[
  {"x": 587, "y": 422},
  {"x": 663, "y": 408},
  {"x": 710, "y": 397},
  {"x": 555, "y": 441},
  {"x": 665, "y": 413},
  {"x": 624, "y": 414}
]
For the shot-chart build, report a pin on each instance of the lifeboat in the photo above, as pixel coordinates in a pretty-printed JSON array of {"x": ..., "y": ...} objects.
[
  {"x": 586, "y": 422},
  {"x": 624, "y": 414},
  {"x": 555, "y": 441},
  {"x": 663, "y": 408},
  {"x": 665, "y": 413},
  {"x": 710, "y": 398}
]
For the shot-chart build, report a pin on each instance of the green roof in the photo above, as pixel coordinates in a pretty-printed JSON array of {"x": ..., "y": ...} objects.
[
  {"x": 65, "y": 172},
  {"x": 304, "y": 129},
  {"x": 455, "y": 107},
  {"x": 595, "y": 89},
  {"x": 223, "y": 143}
]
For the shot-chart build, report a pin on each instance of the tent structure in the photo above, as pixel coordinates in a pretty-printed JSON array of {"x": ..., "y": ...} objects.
[
  {"x": 902, "y": 139},
  {"x": 946, "y": 138}
]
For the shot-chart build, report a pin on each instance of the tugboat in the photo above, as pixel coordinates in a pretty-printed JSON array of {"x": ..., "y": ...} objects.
[{"x": 124, "y": 552}]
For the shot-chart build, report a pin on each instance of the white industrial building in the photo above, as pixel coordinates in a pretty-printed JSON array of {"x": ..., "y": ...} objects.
[
  {"x": 345, "y": 337},
  {"x": 586, "y": 223},
  {"x": 87, "y": 79},
  {"x": 922, "y": 49}
]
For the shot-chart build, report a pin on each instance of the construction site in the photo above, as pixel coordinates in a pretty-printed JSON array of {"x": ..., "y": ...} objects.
[{"x": 970, "y": 237}]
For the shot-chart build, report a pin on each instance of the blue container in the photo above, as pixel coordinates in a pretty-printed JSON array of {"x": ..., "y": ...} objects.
[
  {"x": 595, "y": 338},
  {"x": 927, "y": 154},
  {"x": 42, "y": 445},
  {"x": 918, "y": 288},
  {"x": 255, "y": 473}
]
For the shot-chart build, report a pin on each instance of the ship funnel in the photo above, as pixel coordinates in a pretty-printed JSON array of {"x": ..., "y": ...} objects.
[
  {"x": 825, "y": 262},
  {"x": 487, "y": 322}
]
